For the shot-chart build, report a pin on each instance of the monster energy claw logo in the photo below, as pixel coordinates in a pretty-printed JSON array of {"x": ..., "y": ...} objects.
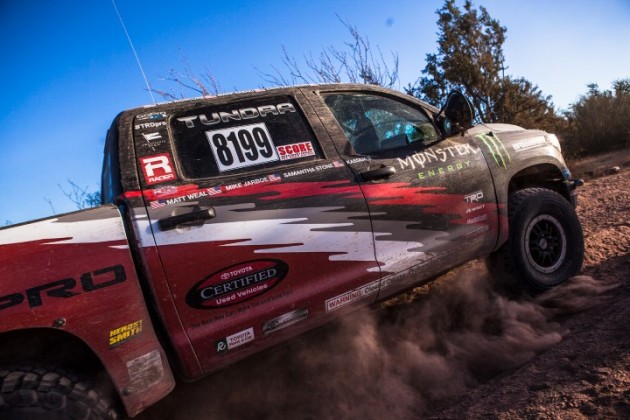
[{"x": 496, "y": 149}]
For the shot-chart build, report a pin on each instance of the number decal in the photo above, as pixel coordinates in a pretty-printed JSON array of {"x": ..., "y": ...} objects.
[
  {"x": 239, "y": 147},
  {"x": 221, "y": 149}
]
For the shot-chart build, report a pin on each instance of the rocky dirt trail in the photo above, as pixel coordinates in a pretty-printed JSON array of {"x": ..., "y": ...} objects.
[
  {"x": 586, "y": 375},
  {"x": 461, "y": 347}
]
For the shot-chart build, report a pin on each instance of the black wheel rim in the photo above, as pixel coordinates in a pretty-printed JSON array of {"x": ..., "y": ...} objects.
[{"x": 545, "y": 243}]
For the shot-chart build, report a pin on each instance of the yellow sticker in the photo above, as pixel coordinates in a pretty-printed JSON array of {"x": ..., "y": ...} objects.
[{"x": 124, "y": 333}]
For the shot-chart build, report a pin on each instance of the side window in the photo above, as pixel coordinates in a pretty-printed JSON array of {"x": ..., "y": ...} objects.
[
  {"x": 239, "y": 136},
  {"x": 375, "y": 123}
]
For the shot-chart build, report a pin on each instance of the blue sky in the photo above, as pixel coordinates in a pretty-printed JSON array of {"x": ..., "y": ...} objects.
[{"x": 68, "y": 69}]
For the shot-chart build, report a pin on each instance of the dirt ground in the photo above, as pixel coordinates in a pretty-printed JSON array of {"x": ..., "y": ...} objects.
[
  {"x": 587, "y": 374},
  {"x": 462, "y": 347}
]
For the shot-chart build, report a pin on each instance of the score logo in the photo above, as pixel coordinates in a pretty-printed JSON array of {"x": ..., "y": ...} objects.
[{"x": 157, "y": 168}]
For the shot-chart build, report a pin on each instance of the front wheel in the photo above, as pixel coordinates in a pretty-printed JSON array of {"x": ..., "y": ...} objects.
[{"x": 546, "y": 244}]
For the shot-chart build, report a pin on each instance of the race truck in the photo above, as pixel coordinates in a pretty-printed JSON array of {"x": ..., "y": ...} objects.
[{"x": 232, "y": 223}]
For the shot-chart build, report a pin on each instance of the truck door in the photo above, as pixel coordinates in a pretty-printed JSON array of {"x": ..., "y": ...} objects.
[
  {"x": 261, "y": 228},
  {"x": 431, "y": 200}
]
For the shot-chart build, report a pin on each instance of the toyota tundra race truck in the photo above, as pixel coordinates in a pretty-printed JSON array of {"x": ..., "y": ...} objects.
[{"x": 232, "y": 223}]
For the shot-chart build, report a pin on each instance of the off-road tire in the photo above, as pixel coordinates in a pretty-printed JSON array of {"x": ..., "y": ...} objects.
[
  {"x": 546, "y": 243},
  {"x": 43, "y": 393}
]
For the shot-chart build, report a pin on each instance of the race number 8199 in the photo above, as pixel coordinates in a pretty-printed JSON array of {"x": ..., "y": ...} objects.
[{"x": 242, "y": 146}]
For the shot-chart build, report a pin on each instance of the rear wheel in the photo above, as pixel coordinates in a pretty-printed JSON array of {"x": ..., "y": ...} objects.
[
  {"x": 41, "y": 393},
  {"x": 546, "y": 244}
]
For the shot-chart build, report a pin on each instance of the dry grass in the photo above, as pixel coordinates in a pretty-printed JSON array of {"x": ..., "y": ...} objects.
[{"x": 599, "y": 165}]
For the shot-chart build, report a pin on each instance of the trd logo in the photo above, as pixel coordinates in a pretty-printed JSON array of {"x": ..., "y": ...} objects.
[
  {"x": 63, "y": 288},
  {"x": 474, "y": 197},
  {"x": 157, "y": 168}
]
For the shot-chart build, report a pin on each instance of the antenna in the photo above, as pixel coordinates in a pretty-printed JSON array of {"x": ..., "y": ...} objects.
[{"x": 144, "y": 76}]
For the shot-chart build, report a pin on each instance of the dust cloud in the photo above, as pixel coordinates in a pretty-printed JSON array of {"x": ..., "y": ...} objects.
[{"x": 395, "y": 362}]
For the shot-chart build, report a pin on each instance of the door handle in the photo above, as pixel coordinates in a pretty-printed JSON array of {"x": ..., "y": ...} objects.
[
  {"x": 195, "y": 216},
  {"x": 380, "y": 173}
]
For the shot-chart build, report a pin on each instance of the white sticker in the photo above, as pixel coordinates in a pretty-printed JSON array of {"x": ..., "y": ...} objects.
[
  {"x": 235, "y": 340},
  {"x": 145, "y": 371},
  {"x": 242, "y": 146},
  {"x": 352, "y": 296}
]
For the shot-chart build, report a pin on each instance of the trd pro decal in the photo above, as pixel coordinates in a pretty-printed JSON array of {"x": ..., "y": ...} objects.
[
  {"x": 66, "y": 288},
  {"x": 237, "y": 283}
]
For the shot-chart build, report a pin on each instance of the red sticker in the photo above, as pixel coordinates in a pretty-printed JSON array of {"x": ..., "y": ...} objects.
[
  {"x": 295, "y": 150},
  {"x": 157, "y": 169}
]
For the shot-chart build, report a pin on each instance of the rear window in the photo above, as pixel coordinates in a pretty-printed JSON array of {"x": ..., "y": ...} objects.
[{"x": 242, "y": 136}]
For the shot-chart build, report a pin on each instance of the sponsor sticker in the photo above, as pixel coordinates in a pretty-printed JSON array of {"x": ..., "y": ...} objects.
[
  {"x": 234, "y": 340},
  {"x": 285, "y": 320},
  {"x": 529, "y": 144},
  {"x": 162, "y": 191},
  {"x": 443, "y": 170},
  {"x": 123, "y": 334},
  {"x": 477, "y": 219},
  {"x": 237, "y": 283},
  {"x": 157, "y": 169},
  {"x": 295, "y": 150},
  {"x": 153, "y": 116},
  {"x": 475, "y": 209},
  {"x": 152, "y": 136},
  {"x": 152, "y": 124},
  {"x": 436, "y": 155},
  {"x": 352, "y": 296},
  {"x": 496, "y": 149}
]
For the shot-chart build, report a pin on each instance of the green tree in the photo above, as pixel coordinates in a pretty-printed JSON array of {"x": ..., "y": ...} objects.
[
  {"x": 599, "y": 121},
  {"x": 470, "y": 59}
]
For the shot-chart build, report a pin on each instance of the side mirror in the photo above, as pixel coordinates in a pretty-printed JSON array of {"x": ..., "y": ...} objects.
[{"x": 457, "y": 114}]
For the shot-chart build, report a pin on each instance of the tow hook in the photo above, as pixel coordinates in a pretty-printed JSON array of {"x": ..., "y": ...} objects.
[
  {"x": 571, "y": 185},
  {"x": 574, "y": 183}
]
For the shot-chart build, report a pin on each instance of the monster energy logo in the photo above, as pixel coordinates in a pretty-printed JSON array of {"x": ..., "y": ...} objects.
[{"x": 496, "y": 149}]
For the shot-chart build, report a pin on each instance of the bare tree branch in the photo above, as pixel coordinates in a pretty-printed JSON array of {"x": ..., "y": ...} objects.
[
  {"x": 204, "y": 84},
  {"x": 80, "y": 196},
  {"x": 355, "y": 63}
]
